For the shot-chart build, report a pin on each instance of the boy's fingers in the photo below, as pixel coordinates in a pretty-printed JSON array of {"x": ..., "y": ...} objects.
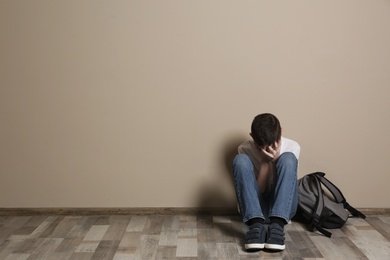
[
  {"x": 267, "y": 153},
  {"x": 272, "y": 150}
]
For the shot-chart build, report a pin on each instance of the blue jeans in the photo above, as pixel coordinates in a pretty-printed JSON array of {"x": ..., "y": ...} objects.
[{"x": 281, "y": 202}]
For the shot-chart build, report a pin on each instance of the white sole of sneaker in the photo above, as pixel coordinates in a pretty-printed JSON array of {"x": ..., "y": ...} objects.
[
  {"x": 274, "y": 247},
  {"x": 254, "y": 246}
]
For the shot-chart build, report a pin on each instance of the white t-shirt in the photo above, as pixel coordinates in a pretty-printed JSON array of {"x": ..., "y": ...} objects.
[{"x": 250, "y": 149}]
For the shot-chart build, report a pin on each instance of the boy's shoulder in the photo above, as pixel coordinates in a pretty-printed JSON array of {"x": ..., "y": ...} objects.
[
  {"x": 289, "y": 142},
  {"x": 287, "y": 146},
  {"x": 247, "y": 145},
  {"x": 250, "y": 143}
]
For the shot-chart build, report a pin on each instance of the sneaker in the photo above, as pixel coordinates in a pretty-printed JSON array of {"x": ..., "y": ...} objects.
[
  {"x": 275, "y": 241},
  {"x": 255, "y": 237}
]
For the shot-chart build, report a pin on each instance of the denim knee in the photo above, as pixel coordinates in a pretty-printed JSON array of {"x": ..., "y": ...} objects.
[
  {"x": 287, "y": 160},
  {"x": 242, "y": 161}
]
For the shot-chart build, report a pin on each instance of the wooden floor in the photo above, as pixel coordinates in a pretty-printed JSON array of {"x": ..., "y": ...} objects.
[{"x": 179, "y": 237}]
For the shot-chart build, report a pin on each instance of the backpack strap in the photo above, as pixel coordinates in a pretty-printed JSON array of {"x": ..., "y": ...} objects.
[
  {"x": 338, "y": 195},
  {"x": 354, "y": 212},
  {"x": 325, "y": 215},
  {"x": 318, "y": 212},
  {"x": 319, "y": 205}
]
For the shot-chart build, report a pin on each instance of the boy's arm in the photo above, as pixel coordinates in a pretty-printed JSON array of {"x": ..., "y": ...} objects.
[
  {"x": 263, "y": 176},
  {"x": 269, "y": 156}
]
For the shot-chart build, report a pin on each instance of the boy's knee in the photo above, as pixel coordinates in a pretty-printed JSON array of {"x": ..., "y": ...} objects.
[
  {"x": 287, "y": 159},
  {"x": 241, "y": 161}
]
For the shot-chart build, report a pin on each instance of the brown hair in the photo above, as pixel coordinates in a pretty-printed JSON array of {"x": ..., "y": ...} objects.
[{"x": 266, "y": 129}]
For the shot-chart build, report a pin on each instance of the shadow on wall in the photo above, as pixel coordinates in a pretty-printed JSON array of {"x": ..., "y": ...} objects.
[{"x": 218, "y": 194}]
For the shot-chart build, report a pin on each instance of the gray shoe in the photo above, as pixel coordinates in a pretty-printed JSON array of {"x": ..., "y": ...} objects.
[
  {"x": 255, "y": 237},
  {"x": 275, "y": 241}
]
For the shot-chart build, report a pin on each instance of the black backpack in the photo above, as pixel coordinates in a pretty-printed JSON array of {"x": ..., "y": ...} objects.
[{"x": 318, "y": 209}]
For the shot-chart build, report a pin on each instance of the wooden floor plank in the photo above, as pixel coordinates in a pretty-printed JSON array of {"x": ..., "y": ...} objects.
[
  {"x": 371, "y": 243},
  {"x": 187, "y": 247},
  {"x": 64, "y": 226},
  {"x": 45, "y": 248},
  {"x": 117, "y": 227},
  {"x": 304, "y": 244},
  {"x": 179, "y": 237},
  {"x": 166, "y": 252},
  {"x": 171, "y": 223},
  {"x": 337, "y": 248},
  {"x": 168, "y": 238},
  {"x": 17, "y": 257},
  {"x": 379, "y": 225},
  {"x": 207, "y": 250},
  {"x": 227, "y": 251},
  {"x": 96, "y": 233},
  {"x": 106, "y": 249},
  {"x": 148, "y": 247},
  {"x": 136, "y": 223}
]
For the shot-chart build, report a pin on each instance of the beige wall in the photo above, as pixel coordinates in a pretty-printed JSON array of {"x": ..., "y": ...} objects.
[{"x": 142, "y": 103}]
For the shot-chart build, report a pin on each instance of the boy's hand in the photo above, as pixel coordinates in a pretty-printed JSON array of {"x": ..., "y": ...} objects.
[{"x": 273, "y": 151}]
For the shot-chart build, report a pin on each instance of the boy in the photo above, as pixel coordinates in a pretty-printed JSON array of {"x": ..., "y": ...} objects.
[{"x": 265, "y": 177}]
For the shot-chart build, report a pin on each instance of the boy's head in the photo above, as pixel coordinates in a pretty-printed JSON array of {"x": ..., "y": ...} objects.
[{"x": 266, "y": 130}]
